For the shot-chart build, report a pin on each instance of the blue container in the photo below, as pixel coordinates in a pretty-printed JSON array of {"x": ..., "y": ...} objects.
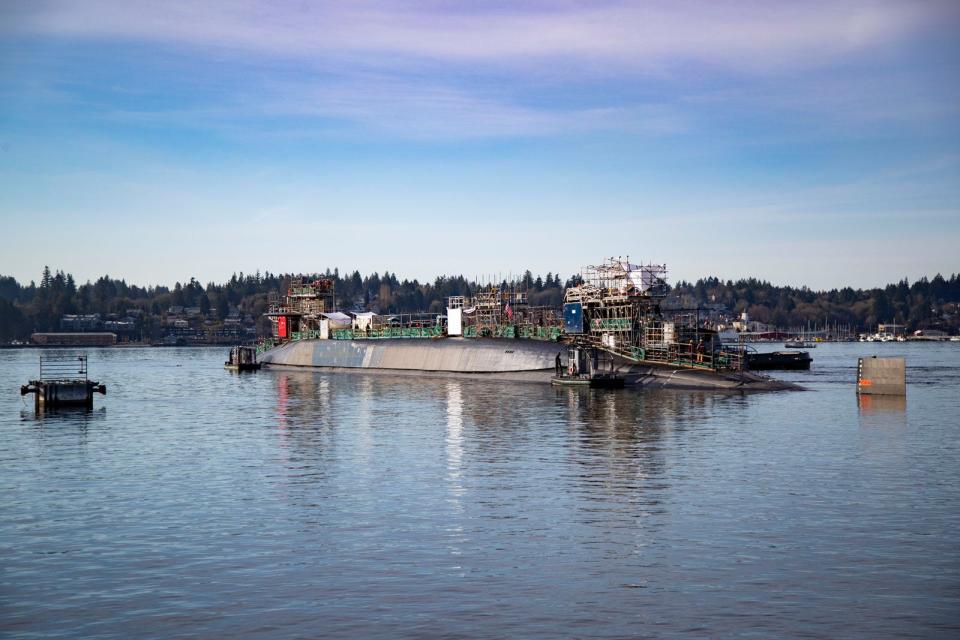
[{"x": 573, "y": 317}]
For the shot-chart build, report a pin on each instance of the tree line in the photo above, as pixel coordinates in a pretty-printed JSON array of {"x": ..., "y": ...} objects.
[
  {"x": 926, "y": 303},
  {"x": 25, "y": 309}
]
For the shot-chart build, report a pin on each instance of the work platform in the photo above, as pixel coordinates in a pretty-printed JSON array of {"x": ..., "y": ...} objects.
[{"x": 587, "y": 367}]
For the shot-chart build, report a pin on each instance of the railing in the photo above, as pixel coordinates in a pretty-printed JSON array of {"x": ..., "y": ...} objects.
[
  {"x": 613, "y": 324},
  {"x": 387, "y": 333},
  {"x": 688, "y": 356},
  {"x": 677, "y": 354},
  {"x": 305, "y": 335},
  {"x": 551, "y": 334},
  {"x": 62, "y": 367}
]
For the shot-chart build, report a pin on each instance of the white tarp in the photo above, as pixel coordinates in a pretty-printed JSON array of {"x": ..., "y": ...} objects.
[
  {"x": 338, "y": 320},
  {"x": 624, "y": 276},
  {"x": 362, "y": 321},
  {"x": 645, "y": 277},
  {"x": 454, "y": 322}
]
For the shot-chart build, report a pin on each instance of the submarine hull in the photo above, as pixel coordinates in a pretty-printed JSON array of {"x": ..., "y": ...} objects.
[{"x": 517, "y": 360}]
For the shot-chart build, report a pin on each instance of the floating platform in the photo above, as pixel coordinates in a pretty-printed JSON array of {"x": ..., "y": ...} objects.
[
  {"x": 587, "y": 367},
  {"x": 598, "y": 381},
  {"x": 63, "y": 383}
]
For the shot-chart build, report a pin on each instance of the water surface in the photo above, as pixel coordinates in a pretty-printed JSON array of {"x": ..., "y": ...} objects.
[{"x": 196, "y": 502}]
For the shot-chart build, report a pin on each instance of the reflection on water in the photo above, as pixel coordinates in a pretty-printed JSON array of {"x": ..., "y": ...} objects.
[
  {"x": 299, "y": 503},
  {"x": 882, "y": 410},
  {"x": 78, "y": 416},
  {"x": 870, "y": 404},
  {"x": 454, "y": 431},
  {"x": 456, "y": 534}
]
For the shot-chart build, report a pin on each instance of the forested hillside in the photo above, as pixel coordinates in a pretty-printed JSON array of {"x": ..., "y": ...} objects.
[{"x": 26, "y": 308}]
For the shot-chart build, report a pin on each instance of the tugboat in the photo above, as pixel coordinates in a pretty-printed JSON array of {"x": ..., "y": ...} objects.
[{"x": 242, "y": 359}]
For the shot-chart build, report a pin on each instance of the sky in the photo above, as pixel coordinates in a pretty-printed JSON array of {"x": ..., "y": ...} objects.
[{"x": 805, "y": 143}]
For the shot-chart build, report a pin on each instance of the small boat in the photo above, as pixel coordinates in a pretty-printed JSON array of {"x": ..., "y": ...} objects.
[
  {"x": 783, "y": 360},
  {"x": 242, "y": 359},
  {"x": 799, "y": 344}
]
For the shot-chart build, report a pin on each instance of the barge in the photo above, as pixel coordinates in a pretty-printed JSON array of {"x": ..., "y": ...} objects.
[{"x": 782, "y": 360}]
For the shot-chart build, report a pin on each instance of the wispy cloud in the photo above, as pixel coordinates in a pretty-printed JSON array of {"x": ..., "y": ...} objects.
[
  {"x": 751, "y": 35},
  {"x": 468, "y": 70},
  {"x": 407, "y": 108}
]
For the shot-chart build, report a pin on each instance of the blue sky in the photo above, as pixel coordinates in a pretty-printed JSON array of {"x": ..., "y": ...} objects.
[{"x": 812, "y": 143}]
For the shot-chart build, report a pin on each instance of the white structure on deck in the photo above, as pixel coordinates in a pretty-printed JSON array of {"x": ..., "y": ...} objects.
[{"x": 455, "y": 315}]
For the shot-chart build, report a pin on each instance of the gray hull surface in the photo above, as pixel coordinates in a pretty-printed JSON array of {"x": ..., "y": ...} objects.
[{"x": 489, "y": 358}]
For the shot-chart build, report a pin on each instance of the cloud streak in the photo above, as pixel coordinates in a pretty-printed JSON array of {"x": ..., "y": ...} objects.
[
  {"x": 433, "y": 70},
  {"x": 407, "y": 108},
  {"x": 628, "y": 35}
]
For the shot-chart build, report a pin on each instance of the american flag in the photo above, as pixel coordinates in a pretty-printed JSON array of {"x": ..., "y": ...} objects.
[{"x": 509, "y": 311}]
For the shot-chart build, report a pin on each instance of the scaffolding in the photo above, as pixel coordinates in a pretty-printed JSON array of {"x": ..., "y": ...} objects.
[
  {"x": 617, "y": 280},
  {"x": 616, "y": 308},
  {"x": 504, "y": 313},
  {"x": 487, "y": 312},
  {"x": 300, "y": 311},
  {"x": 620, "y": 303}
]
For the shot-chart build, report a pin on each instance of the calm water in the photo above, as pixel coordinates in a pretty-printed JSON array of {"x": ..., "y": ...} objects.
[{"x": 195, "y": 502}]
